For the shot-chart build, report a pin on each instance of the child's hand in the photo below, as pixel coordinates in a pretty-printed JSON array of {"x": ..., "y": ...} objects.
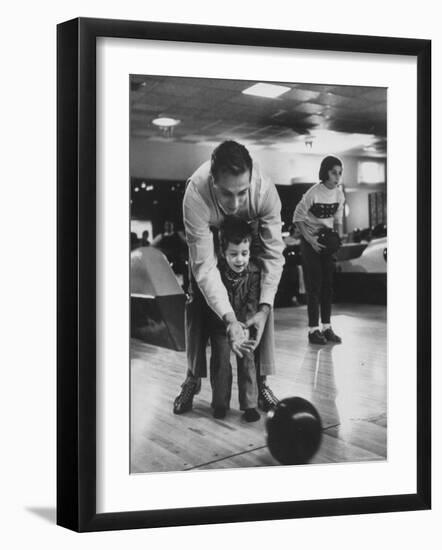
[
  {"x": 246, "y": 344},
  {"x": 235, "y": 334}
]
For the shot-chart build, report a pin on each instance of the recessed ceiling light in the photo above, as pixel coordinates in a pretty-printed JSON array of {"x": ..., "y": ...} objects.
[
  {"x": 165, "y": 122},
  {"x": 263, "y": 89}
]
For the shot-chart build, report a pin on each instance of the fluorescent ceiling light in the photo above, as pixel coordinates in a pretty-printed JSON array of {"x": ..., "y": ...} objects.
[
  {"x": 266, "y": 90},
  {"x": 165, "y": 122}
]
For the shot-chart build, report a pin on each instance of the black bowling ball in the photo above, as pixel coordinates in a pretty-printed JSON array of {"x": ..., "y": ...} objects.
[
  {"x": 294, "y": 431},
  {"x": 330, "y": 239}
]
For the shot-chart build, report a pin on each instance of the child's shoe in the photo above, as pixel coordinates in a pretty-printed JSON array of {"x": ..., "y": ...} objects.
[
  {"x": 251, "y": 415},
  {"x": 219, "y": 412}
]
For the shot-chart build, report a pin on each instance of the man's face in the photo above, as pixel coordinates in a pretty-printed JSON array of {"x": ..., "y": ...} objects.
[{"x": 231, "y": 191}]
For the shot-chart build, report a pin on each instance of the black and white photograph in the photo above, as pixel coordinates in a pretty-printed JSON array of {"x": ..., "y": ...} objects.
[
  {"x": 222, "y": 331},
  {"x": 258, "y": 273}
]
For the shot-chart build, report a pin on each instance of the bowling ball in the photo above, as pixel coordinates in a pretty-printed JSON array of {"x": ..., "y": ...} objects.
[
  {"x": 330, "y": 239},
  {"x": 294, "y": 431}
]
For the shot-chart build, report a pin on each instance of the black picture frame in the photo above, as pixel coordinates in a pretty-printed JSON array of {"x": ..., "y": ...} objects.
[{"x": 76, "y": 273}]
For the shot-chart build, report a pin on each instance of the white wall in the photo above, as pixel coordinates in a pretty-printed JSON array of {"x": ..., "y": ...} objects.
[
  {"x": 357, "y": 201},
  {"x": 177, "y": 161},
  {"x": 27, "y": 403}
]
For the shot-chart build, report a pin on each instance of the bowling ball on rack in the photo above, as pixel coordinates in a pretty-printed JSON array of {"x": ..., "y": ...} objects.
[{"x": 294, "y": 431}]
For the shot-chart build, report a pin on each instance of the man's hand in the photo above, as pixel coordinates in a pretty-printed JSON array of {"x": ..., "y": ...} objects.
[{"x": 258, "y": 323}]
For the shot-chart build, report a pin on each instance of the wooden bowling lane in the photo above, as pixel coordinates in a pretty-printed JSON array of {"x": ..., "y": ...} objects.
[
  {"x": 333, "y": 450},
  {"x": 347, "y": 383}
]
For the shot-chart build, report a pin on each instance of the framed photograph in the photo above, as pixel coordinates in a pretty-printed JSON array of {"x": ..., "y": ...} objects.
[{"x": 238, "y": 337}]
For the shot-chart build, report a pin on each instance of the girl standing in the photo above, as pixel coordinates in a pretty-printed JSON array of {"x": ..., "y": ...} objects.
[{"x": 320, "y": 208}]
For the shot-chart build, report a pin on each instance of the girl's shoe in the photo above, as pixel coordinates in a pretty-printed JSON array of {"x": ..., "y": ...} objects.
[
  {"x": 317, "y": 337},
  {"x": 330, "y": 336}
]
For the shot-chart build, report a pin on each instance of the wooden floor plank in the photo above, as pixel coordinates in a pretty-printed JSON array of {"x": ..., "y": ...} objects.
[
  {"x": 347, "y": 383},
  {"x": 332, "y": 450}
]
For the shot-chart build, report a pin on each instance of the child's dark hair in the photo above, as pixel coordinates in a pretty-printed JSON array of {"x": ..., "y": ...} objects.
[
  {"x": 232, "y": 158},
  {"x": 326, "y": 165},
  {"x": 234, "y": 230}
]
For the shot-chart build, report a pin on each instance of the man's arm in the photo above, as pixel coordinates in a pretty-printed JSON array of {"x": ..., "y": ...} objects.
[
  {"x": 202, "y": 257},
  {"x": 272, "y": 245},
  {"x": 271, "y": 256},
  {"x": 257, "y": 313}
]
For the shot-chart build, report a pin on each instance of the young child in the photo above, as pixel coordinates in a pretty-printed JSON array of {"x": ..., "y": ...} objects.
[
  {"x": 241, "y": 277},
  {"x": 321, "y": 207}
]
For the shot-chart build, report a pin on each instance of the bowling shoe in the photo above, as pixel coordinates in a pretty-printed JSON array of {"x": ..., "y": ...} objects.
[
  {"x": 184, "y": 401},
  {"x": 266, "y": 398}
]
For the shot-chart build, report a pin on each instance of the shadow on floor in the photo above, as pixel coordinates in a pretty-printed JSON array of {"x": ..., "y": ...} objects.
[{"x": 48, "y": 514}]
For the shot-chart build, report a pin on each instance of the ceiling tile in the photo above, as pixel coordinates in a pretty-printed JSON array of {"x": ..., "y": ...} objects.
[{"x": 209, "y": 108}]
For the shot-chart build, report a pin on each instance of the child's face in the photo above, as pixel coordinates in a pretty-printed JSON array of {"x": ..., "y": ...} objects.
[
  {"x": 238, "y": 255},
  {"x": 334, "y": 175}
]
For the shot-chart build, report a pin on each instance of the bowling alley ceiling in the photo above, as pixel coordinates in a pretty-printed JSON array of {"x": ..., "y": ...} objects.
[{"x": 304, "y": 118}]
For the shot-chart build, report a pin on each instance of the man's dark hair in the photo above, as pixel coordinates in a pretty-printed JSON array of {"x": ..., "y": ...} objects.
[
  {"x": 326, "y": 165},
  {"x": 232, "y": 158},
  {"x": 234, "y": 230}
]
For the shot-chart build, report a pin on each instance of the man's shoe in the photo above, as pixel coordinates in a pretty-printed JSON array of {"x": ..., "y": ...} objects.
[
  {"x": 330, "y": 336},
  {"x": 184, "y": 401},
  {"x": 316, "y": 337},
  {"x": 266, "y": 398}
]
